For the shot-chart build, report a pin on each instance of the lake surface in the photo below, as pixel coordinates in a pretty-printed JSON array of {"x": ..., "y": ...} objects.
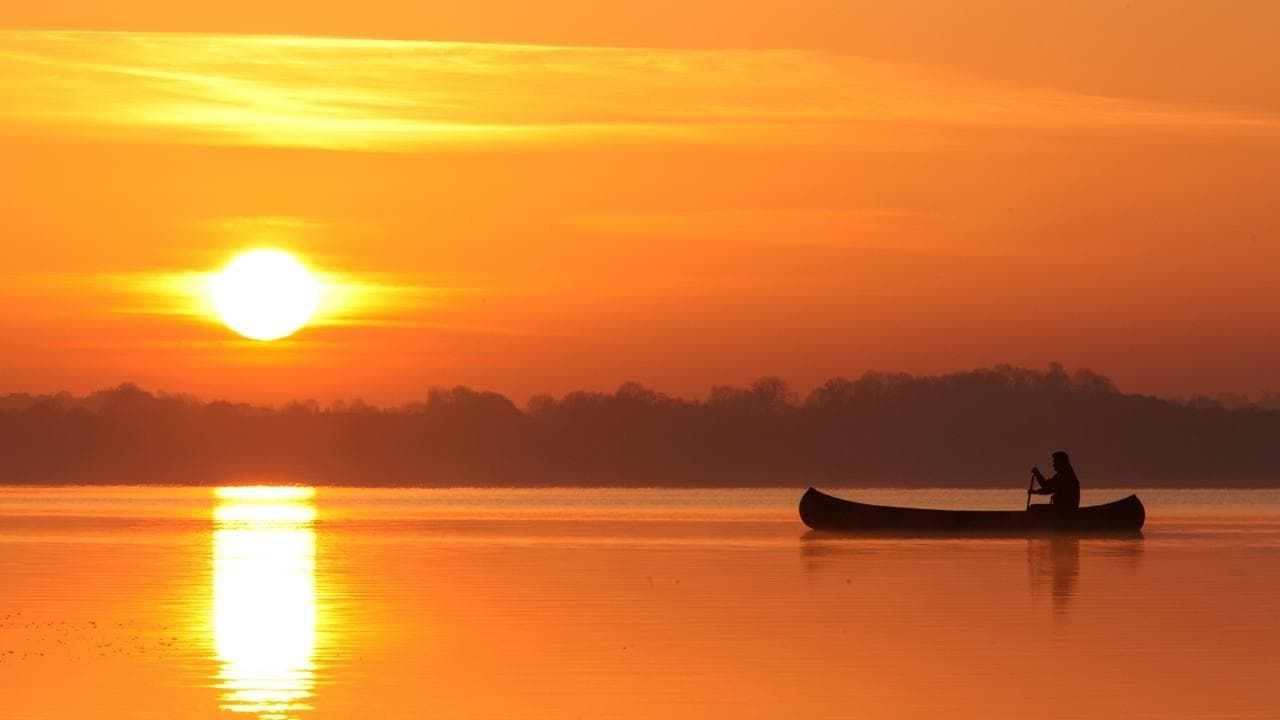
[{"x": 179, "y": 602}]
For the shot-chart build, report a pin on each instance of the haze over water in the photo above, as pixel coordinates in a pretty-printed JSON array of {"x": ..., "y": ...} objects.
[{"x": 555, "y": 603}]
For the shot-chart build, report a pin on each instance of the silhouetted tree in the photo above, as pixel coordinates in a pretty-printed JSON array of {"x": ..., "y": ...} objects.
[{"x": 980, "y": 427}]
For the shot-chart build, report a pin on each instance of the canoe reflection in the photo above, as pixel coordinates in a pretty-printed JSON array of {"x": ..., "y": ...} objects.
[
  {"x": 1053, "y": 565},
  {"x": 264, "y": 600},
  {"x": 1053, "y": 562}
]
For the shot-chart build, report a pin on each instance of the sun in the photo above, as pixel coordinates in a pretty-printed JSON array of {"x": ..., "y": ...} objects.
[{"x": 265, "y": 294}]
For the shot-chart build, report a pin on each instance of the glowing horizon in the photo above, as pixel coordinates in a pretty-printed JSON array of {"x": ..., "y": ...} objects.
[{"x": 565, "y": 204}]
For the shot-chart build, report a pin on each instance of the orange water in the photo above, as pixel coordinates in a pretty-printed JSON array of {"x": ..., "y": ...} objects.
[{"x": 345, "y": 603}]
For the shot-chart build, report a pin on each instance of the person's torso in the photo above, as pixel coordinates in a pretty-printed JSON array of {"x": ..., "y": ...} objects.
[{"x": 1067, "y": 488}]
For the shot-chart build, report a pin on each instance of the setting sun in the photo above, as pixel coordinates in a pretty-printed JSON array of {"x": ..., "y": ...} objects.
[{"x": 265, "y": 294}]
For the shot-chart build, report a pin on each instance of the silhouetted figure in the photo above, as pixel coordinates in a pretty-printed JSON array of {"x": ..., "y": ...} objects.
[{"x": 1064, "y": 486}]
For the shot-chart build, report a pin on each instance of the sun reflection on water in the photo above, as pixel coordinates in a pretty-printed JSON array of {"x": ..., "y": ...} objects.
[{"x": 264, "y": 599}]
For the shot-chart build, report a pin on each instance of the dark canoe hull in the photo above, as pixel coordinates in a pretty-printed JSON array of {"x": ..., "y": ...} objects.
[{"x": 825, "y": 512}]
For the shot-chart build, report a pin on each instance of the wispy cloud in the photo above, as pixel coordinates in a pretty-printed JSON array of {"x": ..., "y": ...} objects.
[
  {"x": 894, "y": 230},
  {"x": 868, "y": 228},
  {"x": 346, "y": 299},
  {"x": 400, "y": 96}
]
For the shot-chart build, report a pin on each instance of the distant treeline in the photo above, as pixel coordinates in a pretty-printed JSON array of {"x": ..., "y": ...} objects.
[{"x": 984, "y": 427}]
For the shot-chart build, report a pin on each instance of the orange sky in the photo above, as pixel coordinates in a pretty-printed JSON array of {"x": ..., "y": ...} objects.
[{"x": 677, "y": 193}]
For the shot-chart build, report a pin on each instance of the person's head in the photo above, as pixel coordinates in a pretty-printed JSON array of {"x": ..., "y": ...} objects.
[{"x": 1061, "y": 461}]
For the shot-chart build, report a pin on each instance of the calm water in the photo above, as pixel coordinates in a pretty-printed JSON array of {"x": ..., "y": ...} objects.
[{"x": 192, "y": 603}]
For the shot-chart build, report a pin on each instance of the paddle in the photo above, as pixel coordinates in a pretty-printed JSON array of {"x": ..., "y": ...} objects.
[{"x": 1030, "y": 486}]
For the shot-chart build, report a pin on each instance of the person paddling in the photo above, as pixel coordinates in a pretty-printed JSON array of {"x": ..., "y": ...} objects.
[{"x": 1064, "y": 486}]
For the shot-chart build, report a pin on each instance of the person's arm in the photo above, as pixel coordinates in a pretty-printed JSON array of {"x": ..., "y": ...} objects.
[{"x": 1048, "y": 486}]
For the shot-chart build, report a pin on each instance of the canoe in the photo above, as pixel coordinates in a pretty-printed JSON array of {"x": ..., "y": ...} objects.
[{"x": 821, "y": 511}]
